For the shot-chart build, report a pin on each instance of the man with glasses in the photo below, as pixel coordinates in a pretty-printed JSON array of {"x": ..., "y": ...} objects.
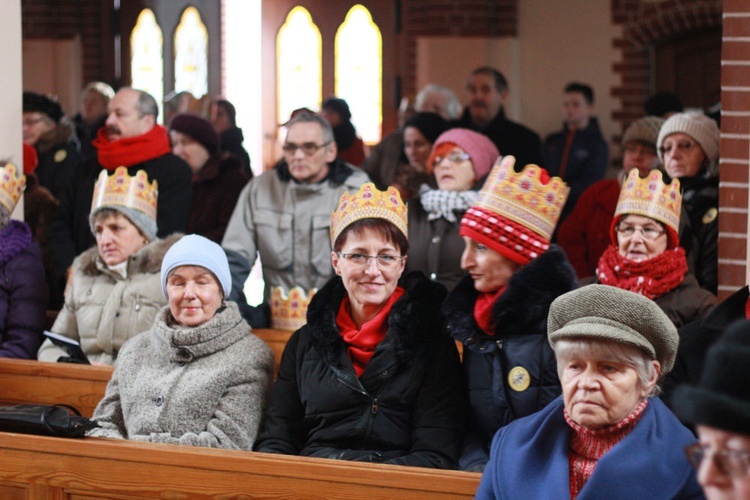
[{"x": 283, "y": 216}]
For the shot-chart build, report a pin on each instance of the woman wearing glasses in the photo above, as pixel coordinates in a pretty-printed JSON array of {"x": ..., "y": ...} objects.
[
  {"x": 499, "y": 311},
  {"x": 458, "y": 164},
  {"x": 719, "y": 405},
  {"x": 645, "y": 255},
  {"x": 688, "y": 146},
  {"x": 370, "y": 377}
]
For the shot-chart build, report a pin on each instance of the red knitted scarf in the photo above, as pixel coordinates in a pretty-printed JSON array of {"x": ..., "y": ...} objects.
[
  {"x": 483, "y": 310},
  {"x": 130, "y": 151},
  {"x": 652, "y": 278},
  {"x": 361, "y": 343},
  {"x": 588, "y": 445}
]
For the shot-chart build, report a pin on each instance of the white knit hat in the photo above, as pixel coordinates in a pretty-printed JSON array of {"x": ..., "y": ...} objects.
[{"x": 700, "y": 127}]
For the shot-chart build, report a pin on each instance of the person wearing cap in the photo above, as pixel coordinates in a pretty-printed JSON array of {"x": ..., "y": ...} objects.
[
  {"x": 54, "y": 139},
  {"x": 198, "y": 376},
  {"x": 458, "y": 164},
  {"x": 645, "y": 255},
  {"x": 23, "y": 292},
  {"x": 224, "y": 121},
  {"x": 688, "y": 146},
  {"x": 719, "y": 406},
  {"x": 608, "y": 436},
  {"x": 584, "y": 234},
  {"x": 499, "y": 311},
  {"x": 114, "y": 293},
  {"x": 350, "y": 146},
  {"x": 218, "y": 177},
  {"x": 370, "y": 377}
]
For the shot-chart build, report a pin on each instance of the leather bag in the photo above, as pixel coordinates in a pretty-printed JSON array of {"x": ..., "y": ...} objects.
[{"x": 45, "y": 420}]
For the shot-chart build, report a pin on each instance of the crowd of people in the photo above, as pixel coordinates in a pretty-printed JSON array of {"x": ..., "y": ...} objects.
[{"x": 584, "y": 306}]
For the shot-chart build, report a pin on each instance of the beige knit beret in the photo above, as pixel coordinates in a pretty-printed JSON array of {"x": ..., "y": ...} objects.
[
  {"x": 697, "y": 125},
  {"x": 609, "y": 313},
  {"x": 645, "y": 129}
]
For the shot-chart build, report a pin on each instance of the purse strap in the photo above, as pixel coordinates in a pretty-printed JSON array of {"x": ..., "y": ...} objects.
[{"x": 53, "y": 408}]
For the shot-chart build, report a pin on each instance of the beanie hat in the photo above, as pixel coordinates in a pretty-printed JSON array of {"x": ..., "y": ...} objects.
[
  {"x": 197, "y": 128},
  {"x": 339, "y": 106},
  {"x": 38, "y": 103},
  {"x": 196, "y": 250},
  {"x": 722, "y": 397},
  {"x": 700, "y": 127},
  {"x": 132, "y": 196},
  {"x": 430, "y": 125},
  {"x": 479, "y": 147},
  {"x": 516, "y": 212},
  {"x": 645, "y": 129},
  {"x": 608, "y": 313}
]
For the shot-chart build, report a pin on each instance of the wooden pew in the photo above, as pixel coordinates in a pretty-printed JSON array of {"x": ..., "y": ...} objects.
[
  {"x": 41, "y": 467},
  {"x": 276, "y": 340}
]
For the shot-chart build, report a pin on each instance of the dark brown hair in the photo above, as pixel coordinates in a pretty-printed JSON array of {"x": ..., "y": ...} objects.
[{"x": 384, "y": 228}]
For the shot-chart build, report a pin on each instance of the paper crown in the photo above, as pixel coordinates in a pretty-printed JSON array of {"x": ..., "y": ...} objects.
[
  {"x": 12, "y": 183},
  {"x": 123, "y": 190},
  {"x": 289, "y": 312},
  {"x": 651, "y": 197},
  {"x": 369, "y": 203}
]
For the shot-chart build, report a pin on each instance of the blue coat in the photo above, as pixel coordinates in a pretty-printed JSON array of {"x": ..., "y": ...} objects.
[{"x": 529, "y": 459}]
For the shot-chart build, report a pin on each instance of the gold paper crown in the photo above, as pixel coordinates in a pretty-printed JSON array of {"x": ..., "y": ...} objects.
[
  {"x": 121, "y": 189},
  {"x": 523, "y": 198},
  {"x": 651, "y": 197},
  {"x": 289, "y": 313},
  {"x": 369, "y": 203},
  {"x": 12, "y": 183}
]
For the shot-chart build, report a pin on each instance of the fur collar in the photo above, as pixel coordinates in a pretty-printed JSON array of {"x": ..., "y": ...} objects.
[
  {"x": 414, "y": 322},
  {"x": 146, "y": 261},
  {"x": 523, "y": 307},
  {"x": 59, "y": 136}
]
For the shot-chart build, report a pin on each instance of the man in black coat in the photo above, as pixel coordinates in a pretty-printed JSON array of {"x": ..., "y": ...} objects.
[
  {"x": 488, "y": 92},
  {"x": 130, "y": 138}
]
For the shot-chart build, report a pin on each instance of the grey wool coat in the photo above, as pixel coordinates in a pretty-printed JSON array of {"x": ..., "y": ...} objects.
[{"x": 201, "y": 386}]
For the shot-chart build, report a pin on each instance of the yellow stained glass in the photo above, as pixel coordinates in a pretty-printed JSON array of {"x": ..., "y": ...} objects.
[
  {"x": 191, "y": 54},
  {"x": 147, "y": 56},
  {"x": 359, "y": 71},
  {"x": 299, "y": 81}
]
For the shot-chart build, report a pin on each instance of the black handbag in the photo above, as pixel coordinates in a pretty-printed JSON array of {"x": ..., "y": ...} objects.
[{"x": 45, "y": 420}]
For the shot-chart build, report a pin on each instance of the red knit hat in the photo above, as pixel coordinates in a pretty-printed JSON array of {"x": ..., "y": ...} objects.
[
  {"x": 516, "y": 213},
  {"x": 479, "y": 147}
]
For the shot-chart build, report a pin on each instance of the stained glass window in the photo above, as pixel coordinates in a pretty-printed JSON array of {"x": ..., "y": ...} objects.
[
  {"x": 359, "y": 71},
  {"x": 147, "y": 56},
  {"x": 191, "y": 54},
  {"x": 299, "y": 80}
]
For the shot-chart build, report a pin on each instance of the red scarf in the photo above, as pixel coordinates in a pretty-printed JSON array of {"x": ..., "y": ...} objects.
[
  {"x": 361, "y": 343},
  {"x": 130, "y": 151},
  {"x": 651, "y": 278},
  {"x": 483, "y": 310}
]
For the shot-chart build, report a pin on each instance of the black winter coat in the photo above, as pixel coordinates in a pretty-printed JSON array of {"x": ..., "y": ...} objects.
[
  {"x": 405, "y": 409},
  {"x": 518, "y": 348},
  {"x": 700, "y": 238}
]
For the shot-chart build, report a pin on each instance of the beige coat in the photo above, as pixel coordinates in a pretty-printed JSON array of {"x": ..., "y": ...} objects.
[{"x": 102, "y": 310}]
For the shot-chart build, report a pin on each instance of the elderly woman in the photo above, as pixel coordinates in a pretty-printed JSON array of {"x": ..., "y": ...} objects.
[
  {"x": 499, "y": 311},
  {"x": 645, "y": 256},
  {"x": 606, "y": 437},
  {"x": 114, "y": 291},
  {"x": 198, "y": 377},
  {"x": 23, "y": 292},
  {"x": 218, "y": 178},
  {"x": 584, "y": 234},
  {"x": 688, "y": 147},
  {"x": 370, "y": 377},
  {"x": 719, "y": 405},
  {"x": 458, "y": 164}
]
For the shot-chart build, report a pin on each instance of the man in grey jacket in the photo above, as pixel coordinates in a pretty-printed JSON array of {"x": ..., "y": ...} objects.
[{"x": 284, "y": 215}]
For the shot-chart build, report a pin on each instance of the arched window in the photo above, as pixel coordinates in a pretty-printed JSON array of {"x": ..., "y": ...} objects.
[
  {"x": 191, "y": 54},
  {"x": 299, "y": 58},
  {"x": 147, "y": 56},
  {"x": 359, "y": 71}
]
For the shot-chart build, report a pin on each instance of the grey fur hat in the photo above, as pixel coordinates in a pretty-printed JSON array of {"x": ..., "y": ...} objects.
[{"x": 609, "y": 313}]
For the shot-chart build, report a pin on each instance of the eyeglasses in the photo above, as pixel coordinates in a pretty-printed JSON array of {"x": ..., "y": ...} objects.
[
  {"x": 682, "y": 147},
  {"x": 309, "y": 148},
  {"x": 383, "y": 260},
  {"x": 733, "y": 463},
  {"x": 648, "y": 233},
  {"x": 453, "y": 158},
  {"x": 30, "y": 122}
]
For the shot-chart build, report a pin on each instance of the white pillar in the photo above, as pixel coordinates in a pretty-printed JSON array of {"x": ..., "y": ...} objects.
[{"x": 11, "y": 83}]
